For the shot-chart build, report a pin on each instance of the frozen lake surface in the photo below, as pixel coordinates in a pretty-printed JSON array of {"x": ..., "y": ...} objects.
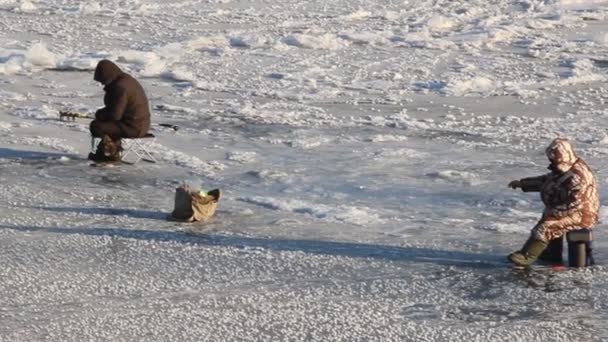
[{"x": 363, "y": 149}]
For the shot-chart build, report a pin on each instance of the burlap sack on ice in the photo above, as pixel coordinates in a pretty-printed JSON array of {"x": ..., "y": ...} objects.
[{"x": 191, "y": 206}]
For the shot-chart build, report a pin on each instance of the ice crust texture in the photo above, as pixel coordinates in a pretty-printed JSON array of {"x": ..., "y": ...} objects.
[{"x": 363, "y": 149}]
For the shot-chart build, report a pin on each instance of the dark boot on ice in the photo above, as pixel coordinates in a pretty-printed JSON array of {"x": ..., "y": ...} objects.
[
  {"x": 111, "y": 149},
  {"x": 553, "y": 253},
  {"x": 108, "y": 151},
  {"x": 529, "y": 252}
]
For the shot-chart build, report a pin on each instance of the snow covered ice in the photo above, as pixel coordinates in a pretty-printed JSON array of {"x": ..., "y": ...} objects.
[{"x": 363, "y": 148}]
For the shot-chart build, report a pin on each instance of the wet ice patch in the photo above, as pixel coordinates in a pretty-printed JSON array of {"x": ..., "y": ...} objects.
[
  {"x": 207, "y": 42},
  {"x": 36, "y": 58},
  {"x": 453, "y": 176},
  {"x": 271, "y": 175},
  {"x": 399, "y": 153},
  {"x": 180, "y": 74},
  {"x": 386, "y": 138},
  {"x": 603, "y": 214},
  {"x": 581, "y": 4},
  {"x": 25, "y": 6},
  {"x": 581, "y": 71},
  {"x": 341, "y": 213},
  {"x": 601, "y": 38},
  {"x": 398, "y": 120},
  {"x": 51, "y": 143},
  {"x": 521, "y": 214},
  {"x": 359, "y": 15},
  {"x": 507, "y": 227},
  {"x": 309, "y": 142},
  {"x": 206, "y": 168},
  {"x": 504, "y": 34},
  {"x": 248, "y": 41},
  {"x": 39, "y": 56},
  {"x": 422, "y": 40},
  {"x": 325, "y": 41},
  {"x": 439, "y": 23},
  {"x": 37, "y": 113},
  {"x": 366, "y": 37},
  {"x": 305, "y": 139},
  {"x": 174, "y": 108},
  {"x": 241, "y": 156},
  {"x": 147, "y": 63},
  {"x": 81, "y": 62},
  {"x": 89, "y": 7},
  {"x": 477, "y": 85},
  {"x": 11, "y": 96},
  {"x": 5, "y": 126},
  {"x": 519, "y": 90},
  {"x": 284, "y": 114},
  {"x": 11, "y": 66}
]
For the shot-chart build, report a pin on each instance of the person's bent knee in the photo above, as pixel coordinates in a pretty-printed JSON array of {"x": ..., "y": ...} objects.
[
  {"x": 540, "y": 232},
  {"x": 95, "y": 129},
  {"x": 100, "y": 128}
]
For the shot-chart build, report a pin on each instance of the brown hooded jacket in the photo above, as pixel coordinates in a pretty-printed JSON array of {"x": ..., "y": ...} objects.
[
  {"x": 125, "y": 100},
  {"x": 570, "y": 191}
]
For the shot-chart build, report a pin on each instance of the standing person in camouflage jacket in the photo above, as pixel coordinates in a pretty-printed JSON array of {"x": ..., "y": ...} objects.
[{"x": 570, "y": 195}]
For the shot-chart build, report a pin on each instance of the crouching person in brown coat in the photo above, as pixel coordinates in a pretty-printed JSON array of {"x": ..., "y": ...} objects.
[
  {"x": 126, "y": 113},
  {"x": 571, "y": 200}
]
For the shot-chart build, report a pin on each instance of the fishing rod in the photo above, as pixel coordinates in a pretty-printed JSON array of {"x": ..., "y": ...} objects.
[{"x": 72, "y": 116}]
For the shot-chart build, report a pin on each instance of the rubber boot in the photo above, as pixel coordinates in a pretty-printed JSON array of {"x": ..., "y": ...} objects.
[
  {"x": 111, "y": 149},
  {"x": 524, "y": 248},
  {"x": 531, "y": 250},
  {"x": 99, "y": 156},
  {"x": 553, "y": 253},
  {"x": 108, "y": 151}
]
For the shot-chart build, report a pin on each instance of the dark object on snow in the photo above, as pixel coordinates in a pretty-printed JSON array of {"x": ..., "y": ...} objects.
[
  {"x": 528, "y": 253},
  {"x": 126, "y": 113},
  {"x": 72, "y": 116},
  {"x": 191, "y": 206},
  {"x": 174, "y": 127},
  {"x": 108, "y": 150},
  {"x": 579, "y": 248},
  {"x": 553, "y": 253}
]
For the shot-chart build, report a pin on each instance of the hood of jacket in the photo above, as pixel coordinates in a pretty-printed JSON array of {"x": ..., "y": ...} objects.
[
  {"x": 106, "y": 72},
  {"x": 561, "y": 155}
]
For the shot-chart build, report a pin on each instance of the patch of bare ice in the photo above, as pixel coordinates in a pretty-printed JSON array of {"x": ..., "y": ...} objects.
[
  {"x": 454, "y": 176},
  {"x": 506, "y": 227},
  {"x": 387, "y": 138},
  {"x": 207, "y": 168},
  {"x": 476, "y": 85},
  {"x": 38, "y": 113},
  {"x": 241, "y": 156},
  {"x": 399, "y": 152},
  {"x": 340, "y": 213},
  {"x": 326, "y": 41},
  {"x": 12, "y": 96},
  {"x": 56, "y": 144}
]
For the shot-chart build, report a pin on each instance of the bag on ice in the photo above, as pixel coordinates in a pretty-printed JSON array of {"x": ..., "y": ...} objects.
[{"x": 191, "y": 206}]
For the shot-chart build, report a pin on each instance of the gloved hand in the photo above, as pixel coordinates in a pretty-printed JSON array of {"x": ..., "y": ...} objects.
[{"x": 515, "y": 184}]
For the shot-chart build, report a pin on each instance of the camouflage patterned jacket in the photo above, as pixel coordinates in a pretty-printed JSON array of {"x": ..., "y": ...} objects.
[{"x": 570, "y": 190}]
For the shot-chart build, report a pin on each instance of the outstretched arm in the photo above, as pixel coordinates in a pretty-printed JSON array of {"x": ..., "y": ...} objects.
[{"x": 529, "y": 184}]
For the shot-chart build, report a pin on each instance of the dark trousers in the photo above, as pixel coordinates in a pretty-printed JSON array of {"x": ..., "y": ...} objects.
[
  {"x": 553, "y": 252},
  {"x": 112, "y": 129}
]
